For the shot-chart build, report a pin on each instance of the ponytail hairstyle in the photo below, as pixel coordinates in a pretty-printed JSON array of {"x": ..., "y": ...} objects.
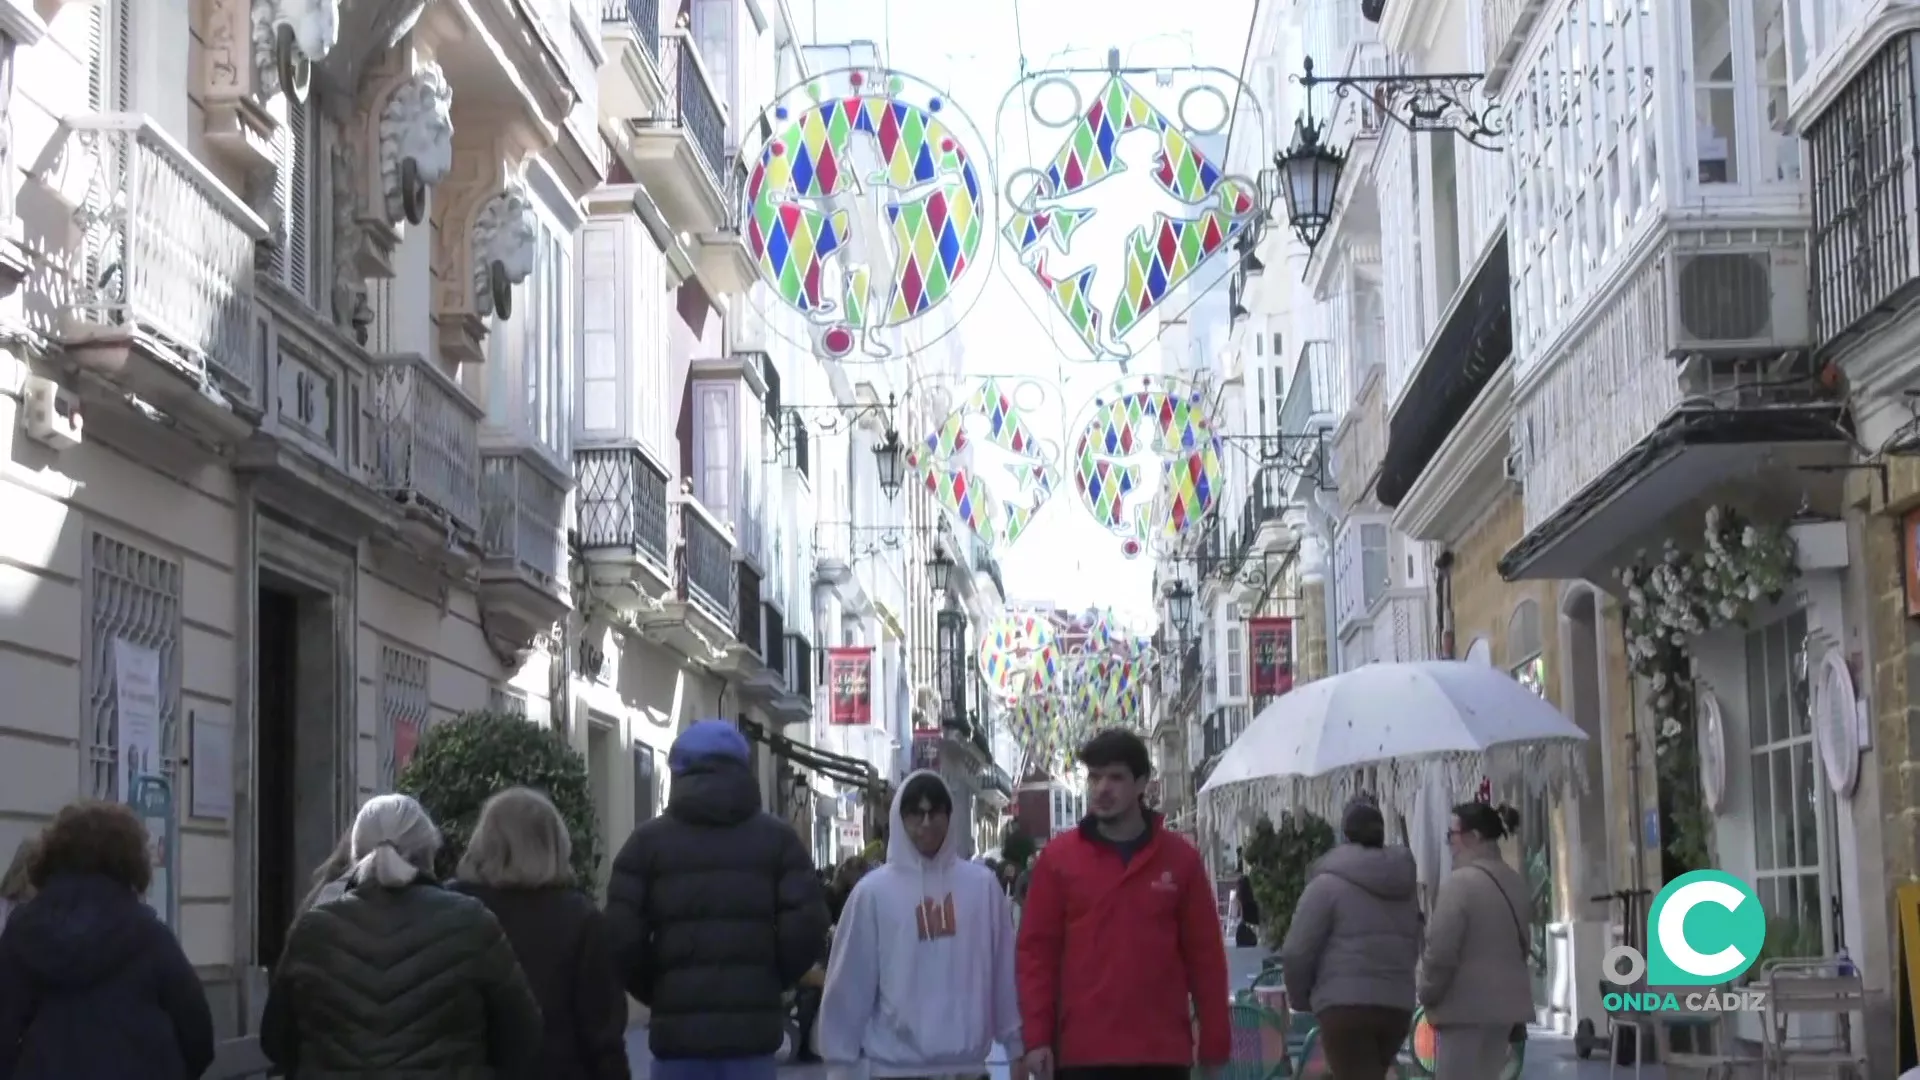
[
  {"x": 1487, "y": 822},
  {"x": 394, "y": 842}
]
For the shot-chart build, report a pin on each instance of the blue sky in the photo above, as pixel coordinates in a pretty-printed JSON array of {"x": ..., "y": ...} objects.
[{"x": 974, "y": 53}]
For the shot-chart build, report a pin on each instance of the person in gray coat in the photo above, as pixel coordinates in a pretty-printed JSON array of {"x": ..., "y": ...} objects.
[
  {"x": 1352, "y": 945},
  {"x": 1474, "y": 979}
]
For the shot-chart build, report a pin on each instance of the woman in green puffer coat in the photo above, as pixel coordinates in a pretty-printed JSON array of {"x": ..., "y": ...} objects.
[{"x": 396, "y": 976}]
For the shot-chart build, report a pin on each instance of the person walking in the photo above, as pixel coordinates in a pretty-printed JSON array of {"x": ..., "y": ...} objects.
[
  {"x": 329, "y": 878},
  {"x": 93, "y": 986},
  {"x": 397, "y": 975},
  {"x": 715, "y": 913},
  {"x": 1351, "y": 948},
  {"x": 1120, "y": 947},
  {"x": 519, "y": 864},
  {"x": 921, "y": 981},
  {"x": 1474, "y": 979},
  {"x": 1246, "y": 908}
]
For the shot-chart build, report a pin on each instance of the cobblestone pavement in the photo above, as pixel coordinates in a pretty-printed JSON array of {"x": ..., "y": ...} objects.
[{"x": 1548, "y": 1058}]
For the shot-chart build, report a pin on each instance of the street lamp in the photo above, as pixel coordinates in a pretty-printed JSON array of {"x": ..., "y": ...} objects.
[
  {"x": 1180, "y": 607},
  {"x": 890, "y": 457},
  {"x": 940, "y": 570},
  {"x": 1309, "y": 179}
]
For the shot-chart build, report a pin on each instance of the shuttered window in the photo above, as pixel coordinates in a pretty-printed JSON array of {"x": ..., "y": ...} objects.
[
  {"x": 294, "y": 261},
  {"x": 110, "y": 56}
]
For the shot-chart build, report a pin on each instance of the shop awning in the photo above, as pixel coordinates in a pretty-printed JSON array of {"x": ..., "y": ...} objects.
[
  {"x": 847, "y": 770},
  {"x": 1474, "y": 340},
  {"x": 1692, "y": 452}
]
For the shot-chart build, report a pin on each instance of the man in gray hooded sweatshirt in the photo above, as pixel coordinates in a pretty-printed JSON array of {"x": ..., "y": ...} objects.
[{"x": 1353, "y": 944}]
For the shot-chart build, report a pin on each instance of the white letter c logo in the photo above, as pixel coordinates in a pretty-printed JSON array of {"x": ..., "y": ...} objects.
[{"x": 1673, "y": 928}]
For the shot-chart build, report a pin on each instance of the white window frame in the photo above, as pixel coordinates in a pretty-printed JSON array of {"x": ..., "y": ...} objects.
[
  {"x": 1806, "y": 778},
  {"x": 532, "y": 357},
  {"x": 716, "y": 450},
  {"x": 1374, "y": 586},
  {"x": 1236, "y": 660}
]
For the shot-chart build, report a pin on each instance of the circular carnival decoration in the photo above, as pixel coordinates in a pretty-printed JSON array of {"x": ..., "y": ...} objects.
[
  {"x": 1147, "y": 462},
  {"x": 985, "y": 463},
  {"x": 868, "y": 206},
  {"x": 1131, "y": 205},
  {"x": 1019, "y": 655}
]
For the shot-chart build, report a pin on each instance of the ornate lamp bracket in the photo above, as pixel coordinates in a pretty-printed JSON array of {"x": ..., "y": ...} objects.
[{"x": 1438, "y": 102}]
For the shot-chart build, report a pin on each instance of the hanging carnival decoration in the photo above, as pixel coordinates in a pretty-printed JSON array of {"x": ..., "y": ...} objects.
[
  {"x": 1146, "y": 461},
  {"x": 985, "y": 461},
  {"x": 869, "y": 213},
  {"x": 1134, "y": 206},
  {"x": 1059, "y": 676},
  {"x": 1019, "y": 655}
]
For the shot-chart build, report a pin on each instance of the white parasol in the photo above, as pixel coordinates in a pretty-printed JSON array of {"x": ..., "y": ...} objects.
[{"x": 1390, "y": 730}]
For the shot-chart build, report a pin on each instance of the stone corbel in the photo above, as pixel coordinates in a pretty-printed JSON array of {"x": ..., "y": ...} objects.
[
  {"x": 289, "y": 37},
  {"x": 406, "y": 148},
  {"x": 486, "y": 233},
  {"x": 238, "y": 127}
]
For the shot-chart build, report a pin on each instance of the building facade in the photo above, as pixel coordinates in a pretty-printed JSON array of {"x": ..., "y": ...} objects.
[{"x": 354, "y": 381}]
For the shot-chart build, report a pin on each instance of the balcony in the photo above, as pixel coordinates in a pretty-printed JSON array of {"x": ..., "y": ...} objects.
[
  {"x": 724, "y": 262},
  {"x": 523, "y": 538},
  {"x": 1309, "y": 403},
  {"x": 799, "y": 446},
  {"x": 680, "y": 152},
  {"x": 631, "y": 84},
  {"x": 1866, "y": 241},
  {"x": 621, "y": 496},
  {"x": 423, "y": 445},
  {"x": 153, "y": 271},
  {"x": 1504, "y": 28},
  {"x": 800, "y": 668},
  {"x": 699, "y": 623},
  {"x": 985, "y": 563},
  {"x": 747, "y": 625}
]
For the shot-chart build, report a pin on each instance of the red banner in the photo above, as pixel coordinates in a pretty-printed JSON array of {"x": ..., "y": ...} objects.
[
  {"x": 850, "y": 685},
  {"x": 1270, "y": 648}
]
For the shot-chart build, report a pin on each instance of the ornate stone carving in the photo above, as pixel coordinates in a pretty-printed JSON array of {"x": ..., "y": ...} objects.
[
  {"x": 288, "y": 37},
  {"x": 350, "y": 308},
  {"x": 505, "y": 236},
  {"x": 237, "y": 125},
  {"x": 416, "y": 143}
]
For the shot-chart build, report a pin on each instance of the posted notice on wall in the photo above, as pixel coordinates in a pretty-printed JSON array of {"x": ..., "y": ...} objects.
[{"x": 136, "y": 689}]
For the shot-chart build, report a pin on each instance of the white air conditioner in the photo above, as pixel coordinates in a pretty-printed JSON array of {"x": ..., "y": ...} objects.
[
  {"x": 1737, "y": 297},
  {"x": 50, "y": 413}
]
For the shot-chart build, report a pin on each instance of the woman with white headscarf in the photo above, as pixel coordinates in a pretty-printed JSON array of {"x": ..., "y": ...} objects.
[{"x": 396, "y": 974}]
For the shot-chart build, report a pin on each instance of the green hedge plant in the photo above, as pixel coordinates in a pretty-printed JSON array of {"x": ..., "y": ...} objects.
[
  {"x": 1277, "y": 860},
  {"x": 461, "y": 763}
]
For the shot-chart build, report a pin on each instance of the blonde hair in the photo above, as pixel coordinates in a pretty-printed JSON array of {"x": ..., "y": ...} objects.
[
  {"x": 18, "y": 884},
  {"x": 338, "y": 863},
  {"x": 520, "y": 841},
  {"x": 394, "y": 842}
]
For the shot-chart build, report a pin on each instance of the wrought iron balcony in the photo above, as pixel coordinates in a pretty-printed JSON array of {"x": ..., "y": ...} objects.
[
  {"x": 774, "y": 629},
  {"x": 161, "y": 256},
  {"x": 423, "y": 444},
  {"x": 747, "y": 626},
  {"x": 523, "y": 518},
  {"x": 1866, "y": 241},
  {"x": 622, "y": 498},
  {"x": 694, "y": 109},
  {"x": 638, "y": 17},
  {"x": 705, "y": 565},
  {"x": 800, "y": 677}
]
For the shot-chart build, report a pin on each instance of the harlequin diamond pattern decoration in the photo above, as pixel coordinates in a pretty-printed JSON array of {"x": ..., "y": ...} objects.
[
  {"x": 915, "y": 235},
  {"x": 1126, "y": 211},
  {"x": 986, "y": 464},
  {"x": 1146, "y": 461}
]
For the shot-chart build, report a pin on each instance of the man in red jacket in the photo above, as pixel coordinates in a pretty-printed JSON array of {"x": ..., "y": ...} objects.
[{"x": 1120, "y": 942}]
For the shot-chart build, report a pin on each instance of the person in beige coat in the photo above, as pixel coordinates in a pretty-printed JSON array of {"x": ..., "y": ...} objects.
[{"x": 1475, "y": 983}]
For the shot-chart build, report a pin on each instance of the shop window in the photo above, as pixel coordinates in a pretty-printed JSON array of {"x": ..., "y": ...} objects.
[
  {"x": 1792, "y": 806},
  {"x": 1536, "y": 810}
]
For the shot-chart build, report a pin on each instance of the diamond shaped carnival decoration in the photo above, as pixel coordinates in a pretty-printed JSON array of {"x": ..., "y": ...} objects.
[
  {"x": 1135, "y": 203},
  {"x": 1146, "y": 461},
  {"x": 868, "y": 208},
  {"x": 985, "y": 461}
]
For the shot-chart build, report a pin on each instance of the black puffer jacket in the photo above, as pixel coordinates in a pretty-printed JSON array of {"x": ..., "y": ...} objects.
[
  {"x": 416, "y": 983},
  {"x": 715, "y": 911}
]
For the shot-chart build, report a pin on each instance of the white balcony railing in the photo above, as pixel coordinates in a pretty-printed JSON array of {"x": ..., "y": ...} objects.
[
  {"x": 424, "y": 438},
  {"x": 164, "y": 251},
  {"x": 523, "y": 517}
]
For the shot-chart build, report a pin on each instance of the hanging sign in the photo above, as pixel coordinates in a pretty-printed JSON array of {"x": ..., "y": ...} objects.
[
  {"x": 850, "y": 685},
  {"x": 1270, "y": 641},
  {"x": 926, "y": 752}
]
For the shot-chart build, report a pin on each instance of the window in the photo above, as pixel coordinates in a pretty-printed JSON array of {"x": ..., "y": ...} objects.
[
  {"x": 531, "y": 356},
  {"x": 1792, "y": 806},
  {"x": 1236, "y": 661},
  {"x": 1536, "y": 810},
  {"x": 714, "y": 447},
  {"x": 645, "y": 783},
  {"x": 295, "y": 260},
  {"x": 1373, "y": 564},
  {"x": 713, "y": 33},
  {"x": 403, "y": 709},
  {"x": 1446, "y": 218},
  {"x": 601, "y": 392}
]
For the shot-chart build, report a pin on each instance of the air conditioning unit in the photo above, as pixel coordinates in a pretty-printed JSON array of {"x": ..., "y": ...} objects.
[
  {"x": 1742, "y": 297},
  {"x": 50, "y": 413}
]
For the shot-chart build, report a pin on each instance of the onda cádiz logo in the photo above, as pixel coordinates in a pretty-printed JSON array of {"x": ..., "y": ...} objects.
[{"x": 1705, "y": 930}]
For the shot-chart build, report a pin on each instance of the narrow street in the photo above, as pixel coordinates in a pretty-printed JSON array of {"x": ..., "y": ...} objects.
[{"x": 1552, "y": 1058}]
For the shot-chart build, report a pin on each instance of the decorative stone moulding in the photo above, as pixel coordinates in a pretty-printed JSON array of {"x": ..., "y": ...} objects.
[
  {"x": 289, "y": 37},
  {"x": 485, "y": 236},
  {"x": 351, "y": 311},
  {"x": 239, "y": 129},
  {"x": 404, "y": 125}
]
